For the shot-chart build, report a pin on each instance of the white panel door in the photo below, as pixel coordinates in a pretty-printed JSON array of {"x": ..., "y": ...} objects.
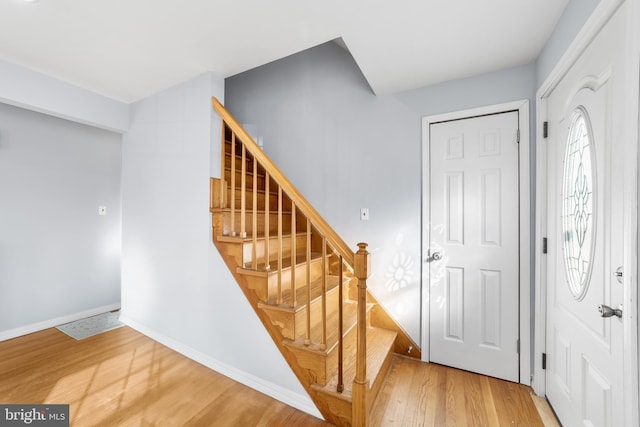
[
  {"x": 473, "y": 254},
  {"x": 585, "y": 235}
]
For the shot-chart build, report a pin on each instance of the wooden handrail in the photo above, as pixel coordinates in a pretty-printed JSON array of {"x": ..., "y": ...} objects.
[
  {"x": 287, "y": 187},
  {"x": 357, "y": 263}
]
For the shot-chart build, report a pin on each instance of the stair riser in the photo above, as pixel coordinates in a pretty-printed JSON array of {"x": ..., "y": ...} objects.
[
  {"x": 238, "y": 160},
  {"x": 339, "y": 407},
  {"x": 301, "y": 249},
  {"x": 260, "y": 218},
  {"x": 260, "y": 197},
  {"x": 273, "y": 199},
  {"x": 315, "y": 273},
  {"x": 234, "y": 250},
  {"x": 260, "y": 180},
  {"x": 293, "y": 325},
  {"x": 312, "y": 366},
  {"x": 300, "y": 319},
  {"x": 243, "y": 249},
  {"x": 267, "y": 287},
  {"x": 379, "y": 380},
  {"x": 322, "y": 367}
]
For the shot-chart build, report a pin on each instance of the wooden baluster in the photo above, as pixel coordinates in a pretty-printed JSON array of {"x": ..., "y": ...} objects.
[
  {"x": 361, "y": 382},
  {"x": 243, "y": 194},
  {"x": 323, "y": 340},
  {"x": 279, "y": 297},
  {"x": 254, "y": 218},
  {"x": 233, "y": 184},
  {"x": 223, "y": 166},
  {"x": 307, "y": 340},
  {"x": 294, "y": 297},
  {"x": 267, "y": 212},
  {"x": 212, "y": 191},
  {"x": 340, "y": 387}
]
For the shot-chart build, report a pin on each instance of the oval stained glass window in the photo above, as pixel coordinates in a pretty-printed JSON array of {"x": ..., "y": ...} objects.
[{"x": 578, "y": 205}]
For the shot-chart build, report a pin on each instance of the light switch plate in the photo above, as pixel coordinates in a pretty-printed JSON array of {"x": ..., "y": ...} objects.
[
  {"x": 364, "y": 214},
  {"x": 102, "y": 210}
]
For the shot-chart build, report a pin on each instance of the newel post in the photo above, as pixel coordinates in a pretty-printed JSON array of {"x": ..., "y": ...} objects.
[{"x": 361, "y": 267}]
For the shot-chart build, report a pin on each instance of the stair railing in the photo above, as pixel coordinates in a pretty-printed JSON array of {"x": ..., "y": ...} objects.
[
  {"x": 361, "y": 382},
  {"x": 252, "y": 155}
]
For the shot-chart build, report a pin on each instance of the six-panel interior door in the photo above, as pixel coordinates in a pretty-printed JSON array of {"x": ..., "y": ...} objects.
[
  {"x": 473, "y": 255},
  {"x": 584, "y": 226}
]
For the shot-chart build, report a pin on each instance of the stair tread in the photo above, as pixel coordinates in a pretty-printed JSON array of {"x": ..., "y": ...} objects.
[
  {"x": 380, "y": 342},
  {"x": 227, "y": 167},
  {"x": 240, "y": 164},
  {"x": 250, "y": 211},
  {"x": 248, "y": 155},
  {"x": 301, "y": 295},
  {"x": 248, "y": 188},
  {"x": 301, "y": 259},
  {"x": 259, "y": 236},
  {"x": 349, "y": 320}
]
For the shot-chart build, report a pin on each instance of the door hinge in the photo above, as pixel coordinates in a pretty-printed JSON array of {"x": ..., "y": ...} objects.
[
  {"x": 545, "y": 129},
  {"x": 544, "y": 360},
  {"x": 518, "y": 136},
  {"x": 544, "y": 245},
  {"x": 518, "y": 346}
]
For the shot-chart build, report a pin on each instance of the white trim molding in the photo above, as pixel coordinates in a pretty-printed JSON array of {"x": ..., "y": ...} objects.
[
  {"x": 296, "y": 400},
  {"x": 522, "y": 107},
  {"x": 52, "y": 323}
]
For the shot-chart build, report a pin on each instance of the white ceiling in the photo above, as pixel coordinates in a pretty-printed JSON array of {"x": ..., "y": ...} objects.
[{"x": 129, "y": 49}]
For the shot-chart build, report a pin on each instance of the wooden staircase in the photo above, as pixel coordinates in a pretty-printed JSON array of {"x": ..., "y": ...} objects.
[{"x": 305, "y": 284}]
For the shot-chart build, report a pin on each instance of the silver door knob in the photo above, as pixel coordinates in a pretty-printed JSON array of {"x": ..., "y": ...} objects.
[
  {"x": 606, "y": 311},
  {"x": 436, "y": 256}
]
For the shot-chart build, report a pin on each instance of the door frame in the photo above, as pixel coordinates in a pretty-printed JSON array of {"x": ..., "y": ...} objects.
[
  {"x": 599, "y": 18},
  {"x": 522, "y": 106}
]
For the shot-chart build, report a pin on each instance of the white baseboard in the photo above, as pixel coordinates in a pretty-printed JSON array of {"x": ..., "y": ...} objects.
[
  {"x": 298, "y": 401},
  {"x": 51, "y": 323}
]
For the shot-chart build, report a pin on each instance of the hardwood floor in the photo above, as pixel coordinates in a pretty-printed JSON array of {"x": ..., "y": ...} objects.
[
  {"x": 427, "y": 394},
  {"x": 122, "y": 378}
]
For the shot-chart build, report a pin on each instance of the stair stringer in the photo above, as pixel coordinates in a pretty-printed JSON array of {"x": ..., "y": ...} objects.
[{"x": 230, "y": 253}]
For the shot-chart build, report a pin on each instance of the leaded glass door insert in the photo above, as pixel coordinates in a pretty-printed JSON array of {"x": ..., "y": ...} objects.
[{"x": 578, "y": 207}]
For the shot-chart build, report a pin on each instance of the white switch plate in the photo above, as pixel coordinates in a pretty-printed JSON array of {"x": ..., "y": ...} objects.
[
  {"x": 102, "y": 210},
  {"x": 364, "y": 214}
]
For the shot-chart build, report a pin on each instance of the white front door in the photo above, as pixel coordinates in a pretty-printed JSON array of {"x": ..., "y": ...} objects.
[
  {"x": 473, "y": 259},
  {"x": 584, "y": 362}
]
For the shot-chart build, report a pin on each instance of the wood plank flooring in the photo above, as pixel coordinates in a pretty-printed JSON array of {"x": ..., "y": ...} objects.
[
  {"x": 122, "y": 378},
  {"x": 427, "y": 394}
]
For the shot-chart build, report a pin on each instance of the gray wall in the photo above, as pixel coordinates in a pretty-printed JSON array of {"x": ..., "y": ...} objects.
[
  {"x": 513, "y": 84},
  {"x": 58, "y": 257},
  {"x": 175, "y": 286},
  {"x": 29, "y": 89},
  {"x": 345, "y": 149},
  {"x": 570, "y": 23}
]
